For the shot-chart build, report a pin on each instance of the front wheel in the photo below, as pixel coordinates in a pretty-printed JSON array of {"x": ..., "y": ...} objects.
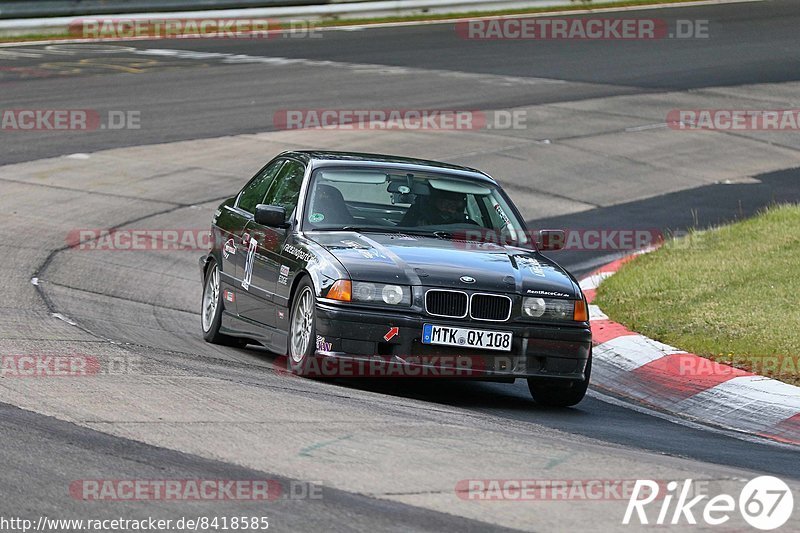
[
  {"x": 560, "y": 393},
  {"x": 302, "y": 327}
]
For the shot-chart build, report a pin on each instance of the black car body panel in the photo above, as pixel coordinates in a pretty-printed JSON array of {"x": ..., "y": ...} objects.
[
  {"x": 437, "y": 262},
  {"x": 261, "y": 267}
]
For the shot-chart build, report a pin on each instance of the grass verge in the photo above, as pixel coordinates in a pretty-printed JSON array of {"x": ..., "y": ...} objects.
[
  {"x": 729, "y": 294},
  {"x": 578, "y": 6}
]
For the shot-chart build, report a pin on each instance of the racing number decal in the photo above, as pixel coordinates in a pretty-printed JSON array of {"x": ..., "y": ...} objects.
[{"x": 248, "y": 264}]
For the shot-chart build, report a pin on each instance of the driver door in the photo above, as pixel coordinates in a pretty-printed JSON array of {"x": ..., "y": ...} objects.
[
  {"x": 263, "y": 259},
  {"x": 237, "y": 248}
]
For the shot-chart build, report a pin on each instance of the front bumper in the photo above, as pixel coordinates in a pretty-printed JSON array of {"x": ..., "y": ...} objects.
[{"x": 558, "y": 352}]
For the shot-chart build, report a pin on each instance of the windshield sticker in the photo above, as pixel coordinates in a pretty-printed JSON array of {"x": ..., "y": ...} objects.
[{"x": 316, "y": 217}]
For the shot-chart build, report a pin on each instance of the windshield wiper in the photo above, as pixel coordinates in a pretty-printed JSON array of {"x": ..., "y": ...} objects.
[
  {"x": 379, "y": 229},
  {"x": 359, "y": 229},
  {"x": 402, "y": 231},
  {"x": 362, "y": 229}
]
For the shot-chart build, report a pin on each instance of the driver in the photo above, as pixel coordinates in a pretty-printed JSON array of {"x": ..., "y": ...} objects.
[{"x": 442, "y": 207}]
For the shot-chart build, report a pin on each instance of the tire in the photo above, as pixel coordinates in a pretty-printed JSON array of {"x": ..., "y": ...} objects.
[
  {"x": 560, "y": 393},
  {"x": 302, "y": 328},
  {"x": 211, "y": 310}
]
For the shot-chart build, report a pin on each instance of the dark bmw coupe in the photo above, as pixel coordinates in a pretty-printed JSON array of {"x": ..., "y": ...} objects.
[{"x": 389, "y": 261}]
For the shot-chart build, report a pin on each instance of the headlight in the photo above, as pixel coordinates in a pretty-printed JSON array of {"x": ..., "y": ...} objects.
[
  {"x": 534, "y": 307},
  {"x": 363, "y": 292},
  {"x": 392, "y": 294},
  {"x": 381, "y": 293},
  {"x": 554, "y": 309}
]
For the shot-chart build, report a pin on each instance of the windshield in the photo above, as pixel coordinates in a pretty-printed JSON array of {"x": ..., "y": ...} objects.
[{"x": 420, "y": 203}]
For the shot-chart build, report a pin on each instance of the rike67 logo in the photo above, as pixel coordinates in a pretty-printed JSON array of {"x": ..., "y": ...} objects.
[{"x": 765, "y": 503}]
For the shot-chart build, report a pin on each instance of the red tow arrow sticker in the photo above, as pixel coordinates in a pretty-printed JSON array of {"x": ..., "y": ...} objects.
[{"x": 393, "y": 332}]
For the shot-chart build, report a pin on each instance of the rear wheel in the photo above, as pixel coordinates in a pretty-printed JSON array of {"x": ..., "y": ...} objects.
[
  {"x": 211, "y": 312},
  {"x": 560, "y": 393}
]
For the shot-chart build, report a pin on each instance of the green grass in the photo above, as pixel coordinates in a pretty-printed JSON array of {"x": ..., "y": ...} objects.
[
  {"x": 413, "y": 18},
  {"x": 729, "y": 294}
]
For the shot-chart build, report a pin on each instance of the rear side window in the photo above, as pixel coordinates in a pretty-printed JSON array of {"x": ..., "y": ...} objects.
[{"x": 255, "y": 191}]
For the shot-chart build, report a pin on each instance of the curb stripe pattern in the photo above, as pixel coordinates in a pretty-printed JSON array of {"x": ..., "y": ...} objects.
[{"x": 684, "y": 384}]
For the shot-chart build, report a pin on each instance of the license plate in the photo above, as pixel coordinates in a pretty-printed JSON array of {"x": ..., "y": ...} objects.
[{"x": 466, "y": 338}]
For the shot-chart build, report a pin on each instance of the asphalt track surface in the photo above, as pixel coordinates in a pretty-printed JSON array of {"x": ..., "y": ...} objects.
[
  {"x": 180, "y": 102},
  {"x": 191, "y": 99}
]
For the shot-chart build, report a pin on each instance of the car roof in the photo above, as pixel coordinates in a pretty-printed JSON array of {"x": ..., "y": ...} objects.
[{"x": 323, "y": 157}]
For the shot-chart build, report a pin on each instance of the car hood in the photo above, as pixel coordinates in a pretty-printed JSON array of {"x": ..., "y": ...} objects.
[{"x": 435, "y": 262}]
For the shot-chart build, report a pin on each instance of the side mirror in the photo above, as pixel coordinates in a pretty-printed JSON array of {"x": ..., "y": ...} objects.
[
  {"x": 551, "y": 240},
  {"x": 273, "y": 216}
]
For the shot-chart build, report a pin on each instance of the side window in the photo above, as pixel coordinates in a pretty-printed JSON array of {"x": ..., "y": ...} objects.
[
  {"x": 286, "y": 188},
  {"x": 255, "y": 191}
]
